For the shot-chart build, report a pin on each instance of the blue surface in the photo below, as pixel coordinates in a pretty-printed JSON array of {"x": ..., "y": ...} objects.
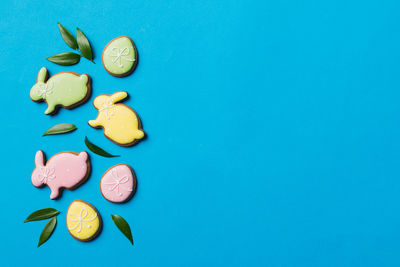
[{"x": 273, "y": 132}]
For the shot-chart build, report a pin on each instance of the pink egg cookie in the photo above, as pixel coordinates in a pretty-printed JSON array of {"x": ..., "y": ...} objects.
[
  {"x": 63, "y": 170},
  {"x": 118, "y": 183}
]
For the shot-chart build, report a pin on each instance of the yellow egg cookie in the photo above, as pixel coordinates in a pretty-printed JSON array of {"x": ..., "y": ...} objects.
[
  {"x": 120, "y": 123},
  {"x": 83, "y": 221}
]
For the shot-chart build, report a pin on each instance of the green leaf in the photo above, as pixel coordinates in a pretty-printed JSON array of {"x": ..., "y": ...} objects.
[
  {"x": 83, "y": 44},
  {"x": 68, "y": 38},
  {"x": 123, "y": 226},
  {"x": 60, "y": 128},
  {"x": 47, "y": 231},
  {"x": 65, "y": 59},
  {"x": 42, "y": 214},
  {"x": 97, "y": 150}
]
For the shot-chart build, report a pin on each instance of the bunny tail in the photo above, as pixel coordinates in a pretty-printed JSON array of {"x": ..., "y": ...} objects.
[
  {"x": 84, "y": 78},
  {"x": 139, "y": 134},
  {"x": 83, "y": 155}
]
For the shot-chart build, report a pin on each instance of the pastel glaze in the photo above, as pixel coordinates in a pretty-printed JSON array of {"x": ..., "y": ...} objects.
[
  {"x": 118, "y": 183},
  {"x": 120, "y": 122},
  {"x": 65, "y": 89},
  {"x": 83, "y": 220},
  {"x": 63, "y": 170},
  {"x": 119, "y": 56}
]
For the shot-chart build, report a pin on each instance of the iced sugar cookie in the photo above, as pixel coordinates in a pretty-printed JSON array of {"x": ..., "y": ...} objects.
[
  {"x": 120, "y": 56},
  {"x": 118, "y": 183},
  {"x": 65, "y": 89},
  {"x": 83, "y": 221},
  {"x": 120, "y": 123},
  {"x": 63, "y": 170}
]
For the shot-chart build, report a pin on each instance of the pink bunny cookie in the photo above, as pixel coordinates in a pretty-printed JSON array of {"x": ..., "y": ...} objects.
[
  {"x": 118, "y": 183},
  {"x": 63, "y": 170}
]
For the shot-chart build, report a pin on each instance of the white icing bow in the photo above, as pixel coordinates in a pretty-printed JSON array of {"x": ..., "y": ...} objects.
[
  {"x": 117, "y": 182},
  {"x": 46, "y": 174},
  {"x": 81, "y": 219},
  {"x": 108, "y": 106},
  {"x": 45, "y": 89},
  {"x": 120, "y": 53}
]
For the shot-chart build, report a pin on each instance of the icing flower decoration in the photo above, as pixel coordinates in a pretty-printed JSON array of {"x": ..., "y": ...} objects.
[
  {"x": 44, "y": 90},
  {"x": 81, "y": 220},
  {"x": 117, "y": 182},
  {"x": 119, "y": 54},
  {"x": 108, "y": 107},
  {"x": 46, "y": 174}
]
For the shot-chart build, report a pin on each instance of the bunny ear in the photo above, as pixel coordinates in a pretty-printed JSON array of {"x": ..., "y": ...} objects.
[
  {"x": 83, "y": 155},
  {"x": 39, "y": 159},
  {"x": 42, "y": 75},
  {"x": 118, "y": 96}
]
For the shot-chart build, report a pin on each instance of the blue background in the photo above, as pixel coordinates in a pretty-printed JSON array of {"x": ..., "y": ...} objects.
[{"x": 273, "y": 132}]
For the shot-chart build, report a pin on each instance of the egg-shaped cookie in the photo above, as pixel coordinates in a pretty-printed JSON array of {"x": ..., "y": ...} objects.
[
  {"x": 120, "y": 56},
  {"x": 83, "y": 221},
  {"x": 118, "y": 183}
]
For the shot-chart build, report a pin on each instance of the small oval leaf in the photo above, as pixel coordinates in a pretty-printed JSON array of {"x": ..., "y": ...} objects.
[
  {"x": 68, "y": 38},
  {"x": 42, "y": 214},
  {"x": 47, "y": 231},
  {"x": 123, "y": 226},
  {"x": 65, "y": 59},
  {"x": 60, "y": 128},
  {"x": 97, "y": 150},
  {"x": 83, "y": 44}
]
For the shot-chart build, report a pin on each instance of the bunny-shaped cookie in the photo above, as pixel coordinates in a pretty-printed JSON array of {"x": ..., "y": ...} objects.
[
  {"x": 63, "y": 170},
  {"x": 66, "y": 89},
  {"x": 121, "y": 124}
]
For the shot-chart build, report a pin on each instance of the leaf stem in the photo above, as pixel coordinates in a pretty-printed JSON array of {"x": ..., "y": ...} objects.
[{"x": 80, "y": 53}]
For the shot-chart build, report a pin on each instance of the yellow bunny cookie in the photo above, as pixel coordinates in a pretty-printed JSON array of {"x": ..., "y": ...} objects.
[{"x": 120, "y": 123}]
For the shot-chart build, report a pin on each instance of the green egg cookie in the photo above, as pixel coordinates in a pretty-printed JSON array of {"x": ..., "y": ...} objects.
[{"x": 120, "y": 56}]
